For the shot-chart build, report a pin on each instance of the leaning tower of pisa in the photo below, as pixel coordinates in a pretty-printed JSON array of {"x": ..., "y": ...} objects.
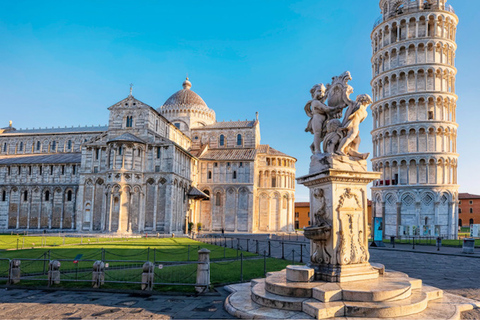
[{"x": 414, "y": 127}]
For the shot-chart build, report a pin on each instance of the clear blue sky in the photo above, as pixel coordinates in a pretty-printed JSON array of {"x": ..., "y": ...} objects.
[{"x": 64, "y": 62}]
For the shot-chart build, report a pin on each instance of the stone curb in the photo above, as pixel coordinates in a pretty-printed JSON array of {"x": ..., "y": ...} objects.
[{"x": 428, "y": 252}]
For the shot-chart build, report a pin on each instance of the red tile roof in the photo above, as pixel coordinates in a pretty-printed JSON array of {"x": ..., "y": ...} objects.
[
  {"x": 465, "y": 196},
  {"x": 302, "y": 204}
]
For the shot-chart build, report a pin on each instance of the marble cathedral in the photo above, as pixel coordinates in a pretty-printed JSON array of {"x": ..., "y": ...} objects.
[{"x": 149, "y": 170}]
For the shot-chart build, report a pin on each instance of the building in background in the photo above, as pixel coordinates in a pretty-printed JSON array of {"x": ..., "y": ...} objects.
[
  {"x": 414, "y": 130},
  {"x": 147, "y": 171},
  {"x": 302, "y": 215},
  {"x": 468, "y": 209}
]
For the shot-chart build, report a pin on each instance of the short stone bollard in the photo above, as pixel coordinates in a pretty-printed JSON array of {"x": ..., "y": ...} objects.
[
  {"x": 14, "y": 272},
  {"x": 54, "y": 272},
  {"x": 98, "y": 274},
  {"x": 203, "y": 271},
  {"x": 148, "y": 275}
]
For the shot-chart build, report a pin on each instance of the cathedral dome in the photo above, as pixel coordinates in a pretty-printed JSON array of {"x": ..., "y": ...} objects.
[
  {"x": 186, "y": 109},
  {"x": 185, "y": 98}
]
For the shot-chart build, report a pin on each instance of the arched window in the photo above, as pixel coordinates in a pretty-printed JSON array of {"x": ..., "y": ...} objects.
[
  {"x": 471, "y": 222},
  {"x": 5, "y": 147},
  {"x": 69, "y": 195},
  {"x": 20, "y": 148},
  {"x": 218, "y": 199},
  {"x": 120, "y": 150},
  {"x": 239, "y": 140},
  {"x": 459, "y": 222},
  {"x": 38, "y": 145},
  {"x": 234, "y": 174},
  {"x": 222, "y": 140},
  {"x": 209, "y": 174},
  {"x": 47, "y": 195},
  {"x": 4, "y": 195},
  {"x": 426, "y": 220},
  {"x": 69, "y": 144},
  {"x": 129, "y": 122},
  {"x": 54, "y": 146},
  {"x": 25, "y": 195}
]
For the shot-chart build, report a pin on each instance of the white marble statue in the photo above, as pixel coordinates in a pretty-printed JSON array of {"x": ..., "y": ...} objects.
[
  {"x": 339, "y": 138},
  {"x": 319, "y": 114}
]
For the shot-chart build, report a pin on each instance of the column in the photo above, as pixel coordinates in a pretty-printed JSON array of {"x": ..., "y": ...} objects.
[
  {"x": 155, "y": 201},
  {"x": 62, "y": 212},
  {"x": 399, "y": 218},
  {"x": 93, "y": 207},
  {"x": 104, "y": 211}
]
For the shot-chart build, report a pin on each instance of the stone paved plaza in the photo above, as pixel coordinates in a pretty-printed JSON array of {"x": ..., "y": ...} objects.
[{"x": 453, "y": 273}]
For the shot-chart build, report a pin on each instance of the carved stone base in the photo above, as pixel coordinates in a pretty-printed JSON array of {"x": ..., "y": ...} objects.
[
  {"x": 338, "y": 204},
  {"x": 325, "y": 161},
  {"x": 355, "y": 272}
]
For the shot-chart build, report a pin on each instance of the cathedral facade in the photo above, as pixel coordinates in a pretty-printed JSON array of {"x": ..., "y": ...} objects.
[{"x": 147, "y": 171}]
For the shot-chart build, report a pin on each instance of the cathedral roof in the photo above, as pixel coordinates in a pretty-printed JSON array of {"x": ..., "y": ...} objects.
[
  {"x": 229, "y": 125},
  {"x": 42, "y": 158},
  {"x": 127, "y": 137},
  {"x": 57, "y": 130},
  {"x": 266, "y": 149},
  {"x": 185, "y": 98},
  {"x": 229, "y": 154}
]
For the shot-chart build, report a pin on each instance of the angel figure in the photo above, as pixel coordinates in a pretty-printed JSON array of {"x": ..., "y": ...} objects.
[
  {"x": 319, "y": 113},
  {"x": 354, "y": 115}
]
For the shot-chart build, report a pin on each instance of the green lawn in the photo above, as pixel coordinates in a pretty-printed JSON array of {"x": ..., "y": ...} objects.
[{"x": 226, "y": 266}]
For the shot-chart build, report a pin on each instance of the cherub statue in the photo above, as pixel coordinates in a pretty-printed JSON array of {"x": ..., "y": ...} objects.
[
  {"x": 319, "y": 114},
  {"x": 354, "y": 115},
  {"x": 333, "y": 137}
]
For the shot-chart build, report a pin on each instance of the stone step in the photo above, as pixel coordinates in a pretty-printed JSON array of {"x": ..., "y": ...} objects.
[
  {"x": 416, "y": 303},
  {"x": 277, "y": 283},
  {"x": 263, "y": 297},
  {"x": 382, "y": 289},
  {"x": 391, "y": 286},
  {"x": 240, "y": 305}
]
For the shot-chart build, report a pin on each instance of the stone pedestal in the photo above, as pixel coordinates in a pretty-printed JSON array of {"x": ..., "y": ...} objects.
[{"x": 339, "y": 232}]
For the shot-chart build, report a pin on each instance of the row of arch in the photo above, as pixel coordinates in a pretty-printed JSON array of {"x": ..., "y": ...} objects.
[
  {"x": 418, "y": 108},
  {"x": 201, "y": 112},
  {"x": 276, "y": 179},
  {"x": 35, "y": 207},
  {"x": 414, "y": 140},
  {"x": 408, "y": 197},
  {"x": 27, "y": 146},
  {"x": 416, "y": 171},
  {"x": 280, "y": 162},
  {"x": 227, "y": 208},
  {"x": 422, "y": 26},
  {"x": 414, "y": 54},
  {"x": 412, "y": 81}
]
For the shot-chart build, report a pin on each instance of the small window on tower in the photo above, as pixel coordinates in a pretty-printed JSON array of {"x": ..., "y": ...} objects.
[
  {"x": 47, "y": 195},
  {"x": 430, "y": 115},
  {"x": 74, "y": 169}
]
